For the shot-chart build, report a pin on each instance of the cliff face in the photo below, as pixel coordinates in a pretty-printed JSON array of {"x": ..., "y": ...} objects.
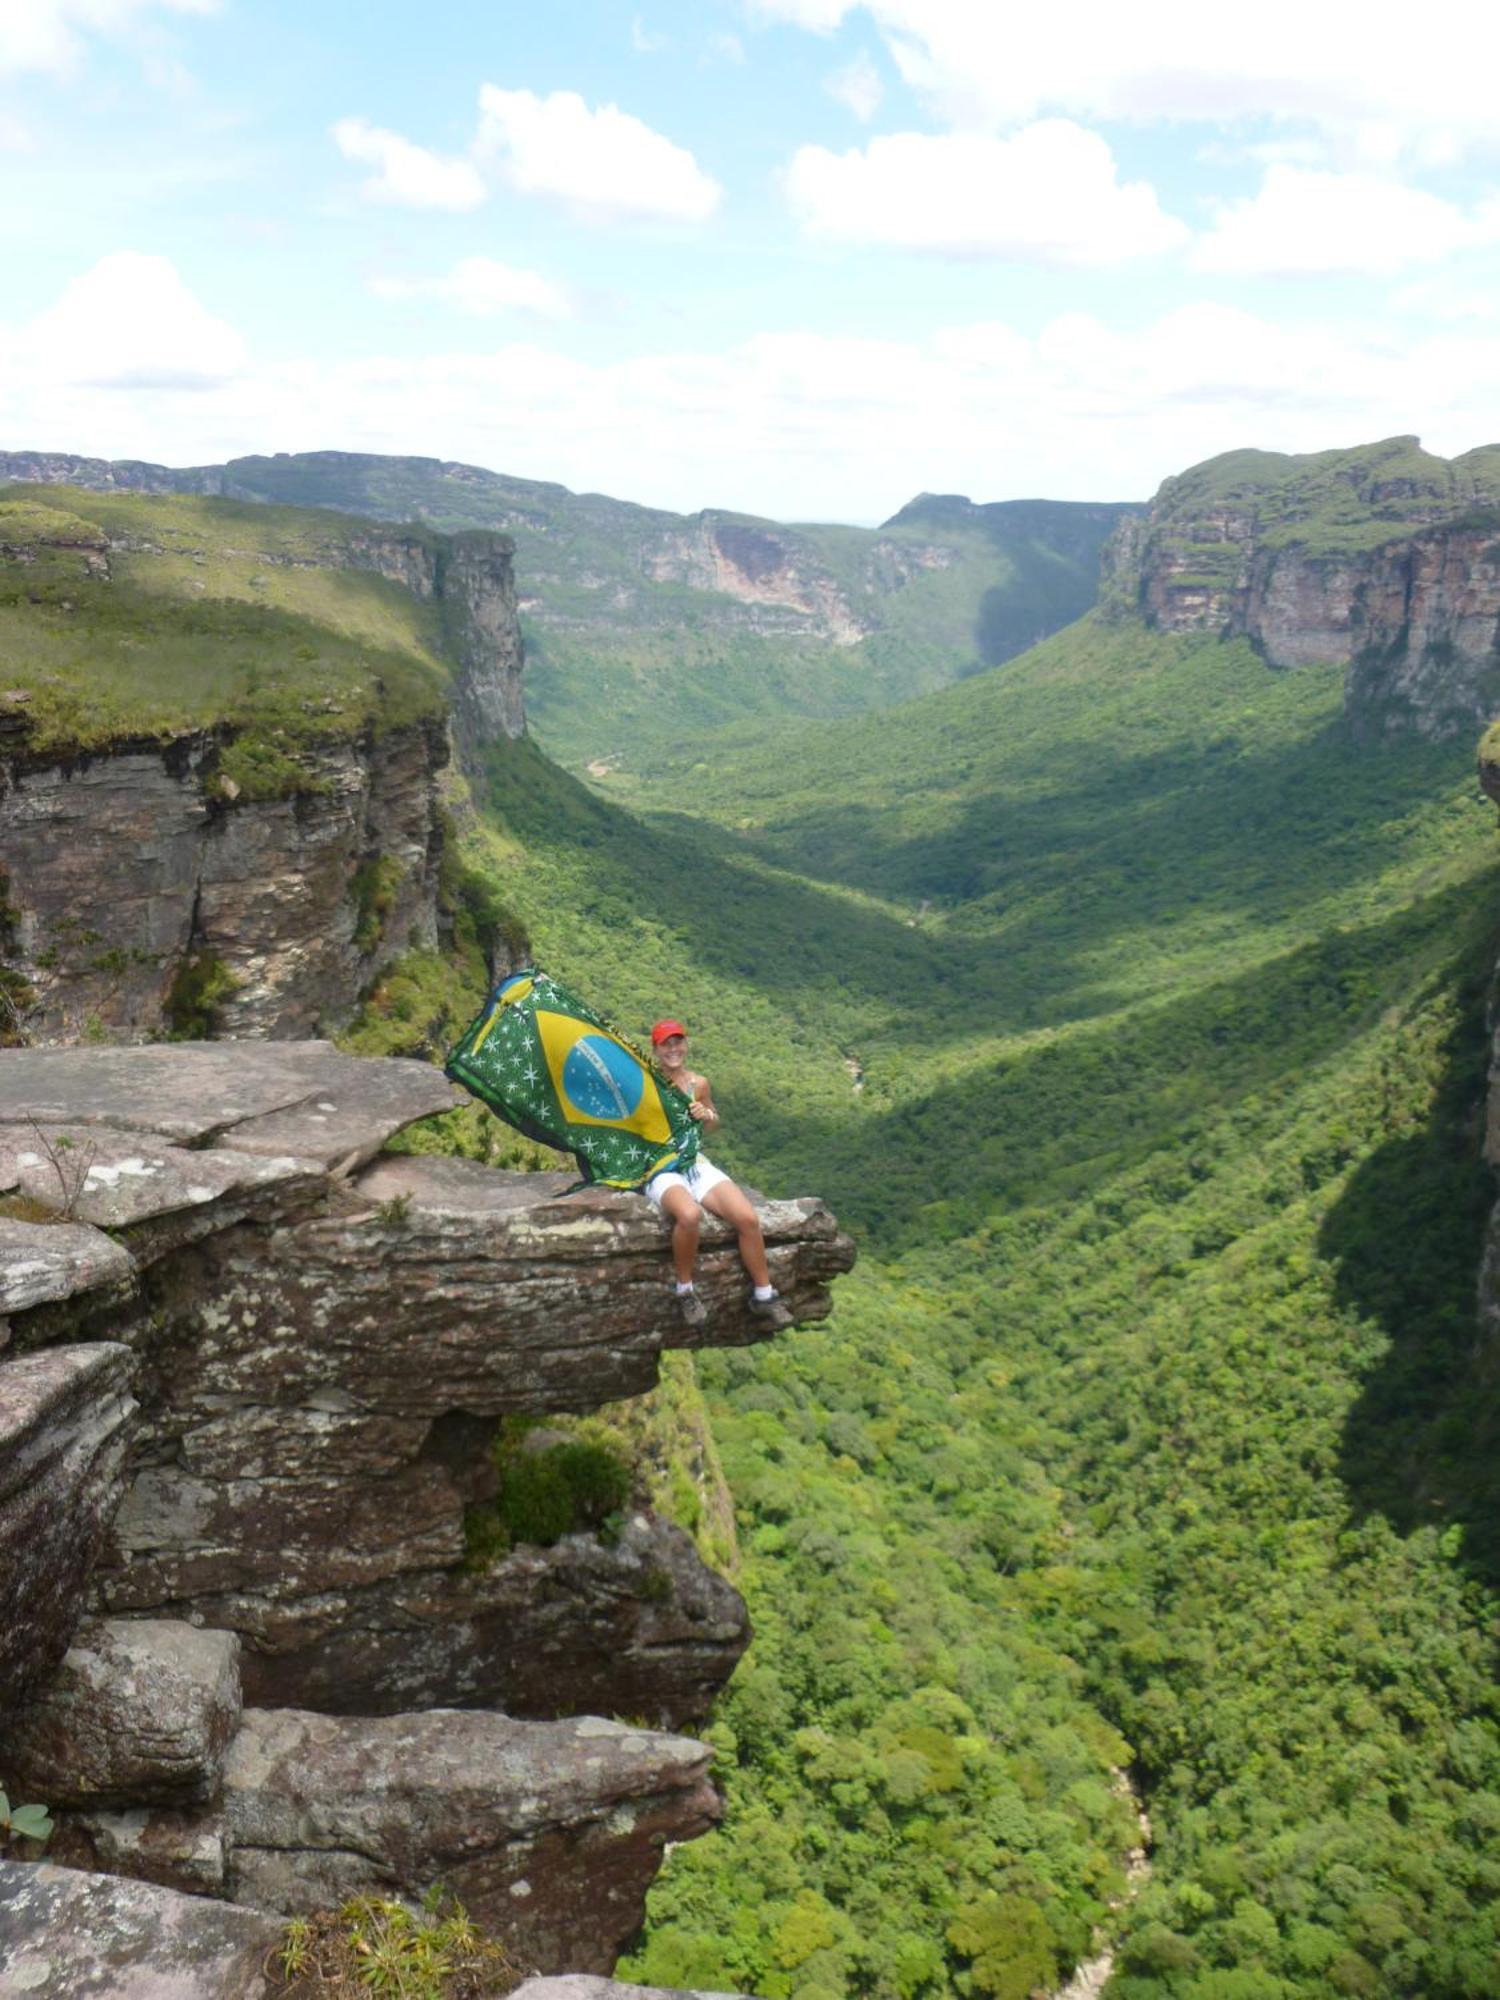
[
  {"x": 250, "y": 875},
  {"x": 240, "y": 1432},
  {"x": 142, "y": 899},
  {"x": 471, "y": 577},
  {"x": 1383, "y": 560}
]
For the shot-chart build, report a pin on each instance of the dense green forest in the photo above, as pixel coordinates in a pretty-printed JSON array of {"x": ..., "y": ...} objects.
[{"x": 1150, "y": 1435}]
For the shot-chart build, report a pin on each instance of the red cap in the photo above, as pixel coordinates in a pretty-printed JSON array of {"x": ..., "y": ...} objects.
[{"x": 663, "y": 1030}]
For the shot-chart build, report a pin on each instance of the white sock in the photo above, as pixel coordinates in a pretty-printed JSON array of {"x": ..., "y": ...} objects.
[
  {"x": 765, "y": 1291},
  {"x": 682, "y": 1288}
]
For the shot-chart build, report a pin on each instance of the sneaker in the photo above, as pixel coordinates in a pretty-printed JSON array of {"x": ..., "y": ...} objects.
[
  {"x": 774, "y": 1311},
  {"x": 691, "y": 1310}
]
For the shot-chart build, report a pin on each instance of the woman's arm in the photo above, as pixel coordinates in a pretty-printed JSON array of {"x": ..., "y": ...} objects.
[{"x": 702, "y": 1107}]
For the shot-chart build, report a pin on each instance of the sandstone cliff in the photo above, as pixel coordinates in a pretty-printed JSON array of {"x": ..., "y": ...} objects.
[
  {"x": 238, "y": 840},
  {"x": 1384, "y": 560},
  {"x": 252, "y": 1369}
]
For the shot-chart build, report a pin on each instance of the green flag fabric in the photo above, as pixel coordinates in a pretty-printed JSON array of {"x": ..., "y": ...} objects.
[{"x": 546, "y": 1063}]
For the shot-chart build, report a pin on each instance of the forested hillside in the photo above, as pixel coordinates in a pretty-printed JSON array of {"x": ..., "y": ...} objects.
[{"x": 1133, "y": 1016}]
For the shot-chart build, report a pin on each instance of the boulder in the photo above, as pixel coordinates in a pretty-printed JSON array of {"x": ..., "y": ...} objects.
[
  {"x": 65, "y": 1935},
  {"x": 140, "y": 1711},
  {"x": 549, "y": 1833},
  {"x": 64, "y": 1428}
]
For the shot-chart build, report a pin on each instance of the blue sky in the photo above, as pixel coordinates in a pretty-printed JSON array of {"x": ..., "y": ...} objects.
[{"x": 804, "y": 257}]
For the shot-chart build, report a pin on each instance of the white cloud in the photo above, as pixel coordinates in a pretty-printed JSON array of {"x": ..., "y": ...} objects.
[
  {"x": 788, "y": 423},
  {"x": 1334, "y": 65},
  {"x": 820, "y": 16},
  {"x": 603, "y": 165},
  {"x": 725, "y": 48},
  {"x": 857, "y": 87},
  {"x": 127, "y": 323},
  {"x": 1049, "y": 194},
  {"x": 408, "y": 176},
  {"x": 644, "y": 41},
  {"x": 1314, "y": 224},
  {"x": 47, "y": 36},
  {"x": 1438, "y": 299},
  {"x": 483, "y": 287}
]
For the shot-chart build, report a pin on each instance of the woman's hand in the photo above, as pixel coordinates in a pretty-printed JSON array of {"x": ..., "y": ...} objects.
[{"x": 700, "y": 1112}]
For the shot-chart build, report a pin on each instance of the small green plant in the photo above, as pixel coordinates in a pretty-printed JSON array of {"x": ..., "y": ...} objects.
[
  {"x": 70, "y": 1164},
  {"x": 23, "y": 1822},
  {"x": 374, "y": 891},
  {"x": 197, "y": 995},
  {"x": 548, "y": 1493},
  {"x": 373, "y": 1945},
  {"x": 395, "y": 1213}
]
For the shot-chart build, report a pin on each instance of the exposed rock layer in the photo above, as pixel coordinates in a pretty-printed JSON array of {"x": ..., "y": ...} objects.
[
  {"x": 322, "y": 1348},
  {"x": 1384, "y": 561},
  {"x": 548, "y": 1833},
  {"x": 321, "y": 1341},
  {"x": 64, "y": 1429},
  {"x": 169, "y": 874}
]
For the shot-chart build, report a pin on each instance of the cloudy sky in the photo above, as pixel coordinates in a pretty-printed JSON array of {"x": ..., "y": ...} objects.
[{"x": 803, "y": 257}]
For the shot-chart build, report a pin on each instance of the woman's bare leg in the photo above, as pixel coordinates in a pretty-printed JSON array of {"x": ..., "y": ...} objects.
[
  {"x": 686, "y": 1219},
  {"x": 731, "y": 1205}
]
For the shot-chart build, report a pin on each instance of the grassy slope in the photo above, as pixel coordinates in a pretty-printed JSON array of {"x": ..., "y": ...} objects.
[
  {"x": 214, "y": 615},
  {"x": 1334, "y": 502},
  {"x": 1150, "y": 1408}
]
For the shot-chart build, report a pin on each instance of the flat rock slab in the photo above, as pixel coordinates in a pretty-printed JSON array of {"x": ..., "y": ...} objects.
[
  {"x": 64, "y": 1429},
  {"x": 140, "y": 1711},
  {"x": 115, "y": 1181},
  {"x": 300, "y": 1098},
  {"x": 41, "y": 1262},
  {"x": 549, "y": 1833},
  {"x": 65, "y": 1935}
]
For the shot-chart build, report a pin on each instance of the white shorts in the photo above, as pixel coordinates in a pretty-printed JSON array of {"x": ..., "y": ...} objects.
[{"x": 701, "y": 1177}]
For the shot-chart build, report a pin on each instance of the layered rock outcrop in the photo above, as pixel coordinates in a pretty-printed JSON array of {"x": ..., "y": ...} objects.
[
  {"x": 320, "y": 1338},
  {"x": 1383, "y": 560},
  {"x": 143, "y": 889},
  {"x": 64, "y": 1428},
  {"x": 142, "y": 899}
]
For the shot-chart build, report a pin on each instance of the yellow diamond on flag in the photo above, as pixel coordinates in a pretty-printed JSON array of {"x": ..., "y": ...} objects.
[{"x": 598, "y": 1081}]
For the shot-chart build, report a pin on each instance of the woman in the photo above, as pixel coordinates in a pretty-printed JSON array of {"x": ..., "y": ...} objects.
[{"x": 682, "y": 1198}]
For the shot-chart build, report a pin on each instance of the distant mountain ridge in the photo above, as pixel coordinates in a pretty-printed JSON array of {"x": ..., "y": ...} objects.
[{"x": 638, "y": 620}]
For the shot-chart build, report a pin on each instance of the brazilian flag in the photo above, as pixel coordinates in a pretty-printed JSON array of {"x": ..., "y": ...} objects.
[{"x": 551, "y": 1067}]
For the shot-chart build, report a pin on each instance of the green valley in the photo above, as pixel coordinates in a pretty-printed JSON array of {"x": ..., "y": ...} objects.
[
  {"x": 1130, "y": 1010},
  {"x": 1148, "y": 1434}
]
